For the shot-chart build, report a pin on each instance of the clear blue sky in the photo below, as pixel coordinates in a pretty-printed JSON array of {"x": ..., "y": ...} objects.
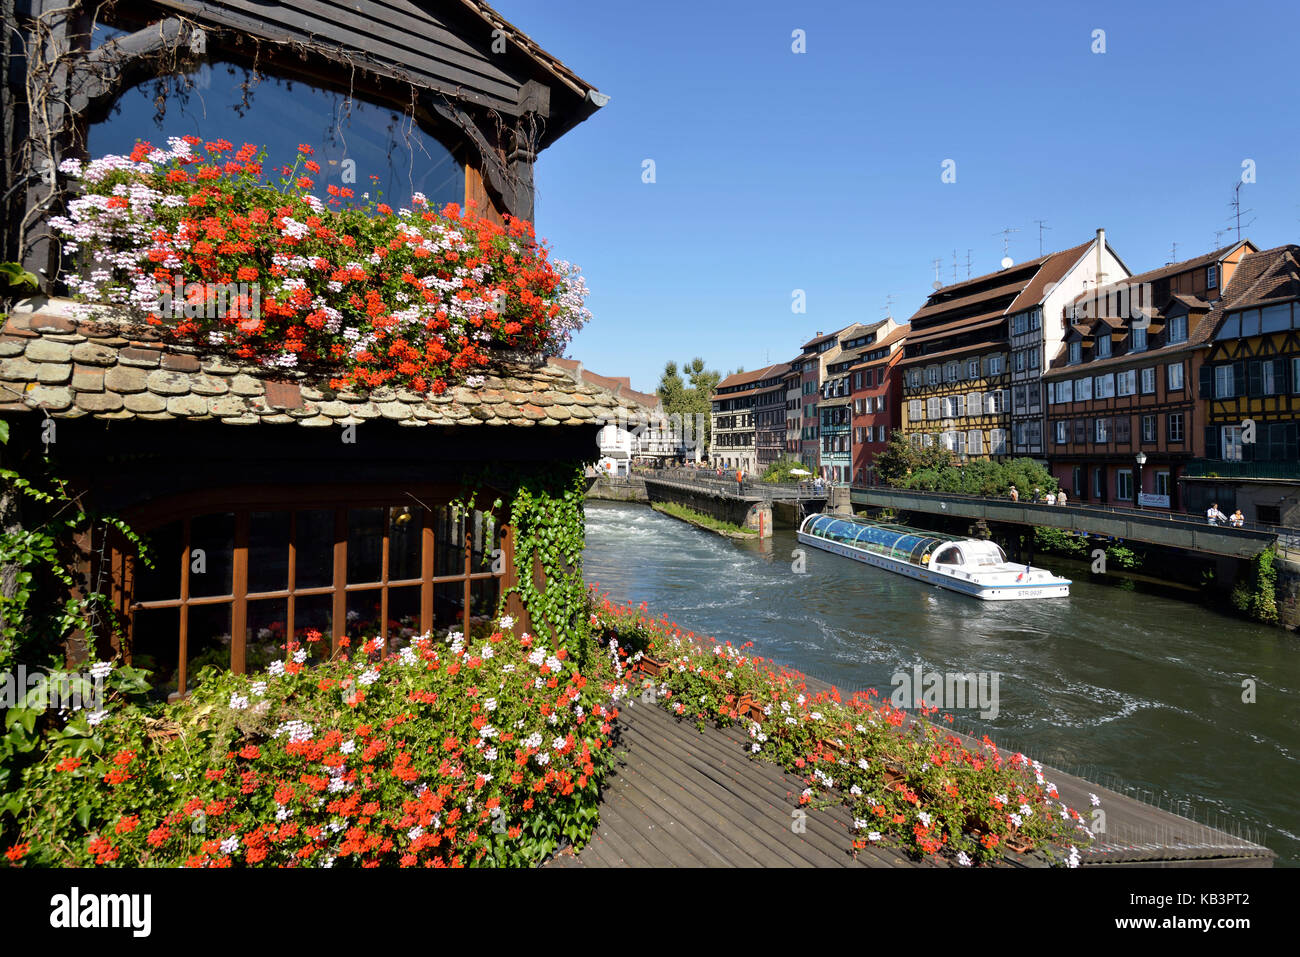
[{"x": 821, "y": 171}]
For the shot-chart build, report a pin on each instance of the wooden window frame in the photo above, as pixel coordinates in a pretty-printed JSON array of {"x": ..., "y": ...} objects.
[{"x": 243, "y": 503}]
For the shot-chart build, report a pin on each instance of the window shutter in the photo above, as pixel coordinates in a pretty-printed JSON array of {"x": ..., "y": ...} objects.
[
  {"x": 1211, "y": 442},
  {"x": 1239, "y": 378},
  {"x": 1207, "y": 382},
  {"x": 1254, "y": 378}
]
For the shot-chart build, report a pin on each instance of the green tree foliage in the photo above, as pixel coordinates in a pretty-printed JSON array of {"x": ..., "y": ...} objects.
[
  {"x": 900, "y": 459},
  {"x": 1255, "y": 593},
  {"x": 935, "y": 469},
  {"x": 781, "y": 470},
  {"x": 690, "y": 399}
]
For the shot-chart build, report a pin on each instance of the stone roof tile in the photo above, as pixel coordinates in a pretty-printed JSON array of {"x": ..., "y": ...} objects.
[{"x": 115, "y": 370}]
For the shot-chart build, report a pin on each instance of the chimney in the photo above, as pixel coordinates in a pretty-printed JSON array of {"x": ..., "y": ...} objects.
[
  {"x": 819, "y": 332},
  {"x": 1101, "y": 246}
]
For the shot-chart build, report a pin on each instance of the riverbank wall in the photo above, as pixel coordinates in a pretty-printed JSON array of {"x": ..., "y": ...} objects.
[{"x": 617, "y": 489}]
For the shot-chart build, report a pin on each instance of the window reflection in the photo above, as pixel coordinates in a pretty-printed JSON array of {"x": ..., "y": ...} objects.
[{"x": 360, "y": 145}]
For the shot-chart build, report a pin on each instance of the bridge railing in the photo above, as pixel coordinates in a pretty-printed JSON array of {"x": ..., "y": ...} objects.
[
  {"x": 727, "y": 484},
  {"x": 1287, "y": 535}
]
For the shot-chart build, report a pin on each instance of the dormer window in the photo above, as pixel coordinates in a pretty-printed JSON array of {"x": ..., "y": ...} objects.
[
  {"x": 1138, "y": 340},
  {"x": 1212, "y": 277},
  {"x": 1076, "y": 353},
  {"x": 1103, "y": 345},
  {"x": 1178, "y": 329}
]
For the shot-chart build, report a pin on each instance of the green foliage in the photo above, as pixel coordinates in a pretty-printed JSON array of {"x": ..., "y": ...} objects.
[
  {"x": 549, "y": 521},
  {"x": 692, "y": 400},
  {"x": 14, "y": 280},
  {"x": 900, "y": 458},
  {"x": 780, "y": 471},
  {"x": 1255, "y": 594},
  {"x": 699, "y": 518},
  {"x": 981, "y": 477},
  {"x": 1059, "y": 541}
]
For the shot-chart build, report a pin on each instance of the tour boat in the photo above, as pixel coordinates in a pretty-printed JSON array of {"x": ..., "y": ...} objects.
[{"x": 966, "y": 565}]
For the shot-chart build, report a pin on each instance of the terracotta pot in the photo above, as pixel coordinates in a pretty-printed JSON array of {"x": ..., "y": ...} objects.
[
  {"x": 1018, "y": 844},
  {"x": 652, "y": 666}
]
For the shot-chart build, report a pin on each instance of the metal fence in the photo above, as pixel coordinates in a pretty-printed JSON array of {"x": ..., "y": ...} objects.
[{"x": 1288, "y": 535}]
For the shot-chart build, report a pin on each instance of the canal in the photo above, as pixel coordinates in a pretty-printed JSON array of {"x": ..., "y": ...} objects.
[{"x": 1113, "y": 685}]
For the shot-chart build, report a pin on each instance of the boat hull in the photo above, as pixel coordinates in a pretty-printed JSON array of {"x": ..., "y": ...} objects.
[{"x": 1058, "y": 588}]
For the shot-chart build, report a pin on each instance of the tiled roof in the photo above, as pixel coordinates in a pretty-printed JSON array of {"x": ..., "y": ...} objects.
[
  {"x": 111, "y": 370},
  {"x": 753, "y": 378},
  {"x": 621, "y": 386},
  {"x": 1272, "y": 275},
  {"x": 1054, "y": 267}
]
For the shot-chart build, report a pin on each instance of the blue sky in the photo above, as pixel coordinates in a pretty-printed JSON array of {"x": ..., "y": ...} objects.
[{"x": 821, "y": 171}]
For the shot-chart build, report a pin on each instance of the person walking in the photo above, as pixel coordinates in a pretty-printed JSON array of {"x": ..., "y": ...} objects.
[
  {"x": 1051, "y": 498},
  {"x": 1015, "y": 495},
  {"x": 1213, "y": 516},
  {"x": 1060, "y": 497},
  {"x": 1238, "y": 520}
]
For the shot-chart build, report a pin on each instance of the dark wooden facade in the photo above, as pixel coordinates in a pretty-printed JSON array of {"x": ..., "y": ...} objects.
[{"x": 455, "y": 67}]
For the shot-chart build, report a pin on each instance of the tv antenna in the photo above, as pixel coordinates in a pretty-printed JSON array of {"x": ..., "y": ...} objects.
[
  {"x": 1005, "y": 233},
  {"x": 938, "y": 283},
  {"x": 1042, "y": 224},
  {"x": 968, "y": 252},
  {"x": 1173, "y": 253},
  {"x": 954, "y": 265},
  {"x": 889, "y": 299},
  {"x": 1237, "y": 210}
]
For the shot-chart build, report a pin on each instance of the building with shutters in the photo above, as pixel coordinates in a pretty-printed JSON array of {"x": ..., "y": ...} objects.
[
  {"x": 1249, "y": 389},
  {"x": 877, "y": 392},
  {"x": 956, "y": 365},
  {"x": 1123, "y": 415}
]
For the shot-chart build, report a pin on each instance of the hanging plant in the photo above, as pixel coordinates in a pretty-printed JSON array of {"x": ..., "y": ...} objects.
[{"x": 194, "y": 239}]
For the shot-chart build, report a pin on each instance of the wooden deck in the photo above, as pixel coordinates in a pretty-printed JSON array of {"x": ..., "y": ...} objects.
[{"x": 681, "y": 797}]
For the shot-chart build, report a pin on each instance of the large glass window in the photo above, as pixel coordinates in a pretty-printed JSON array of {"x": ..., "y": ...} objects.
[
  {"x": 233, "y": 589},
  {"x": 360, "y": 145}
]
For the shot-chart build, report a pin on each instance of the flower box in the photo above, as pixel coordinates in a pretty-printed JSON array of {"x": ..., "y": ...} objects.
[{"x": 652, "y": 666}]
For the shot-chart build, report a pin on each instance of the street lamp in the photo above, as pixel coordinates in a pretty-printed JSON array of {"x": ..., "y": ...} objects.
[{"x": 1137, "y": 489}]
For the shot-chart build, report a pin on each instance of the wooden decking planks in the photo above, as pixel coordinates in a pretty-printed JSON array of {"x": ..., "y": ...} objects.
[{"x": 685, "y": 798}]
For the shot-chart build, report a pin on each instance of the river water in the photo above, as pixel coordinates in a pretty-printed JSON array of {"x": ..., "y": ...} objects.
[{"x": 1113, "y": 685}]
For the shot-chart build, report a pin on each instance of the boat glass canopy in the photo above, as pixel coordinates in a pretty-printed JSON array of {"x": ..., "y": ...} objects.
[{"x": 892, "y": 541}]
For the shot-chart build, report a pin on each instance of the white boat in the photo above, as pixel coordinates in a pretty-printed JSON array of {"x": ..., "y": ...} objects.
[{"x": 966, "y": 565}]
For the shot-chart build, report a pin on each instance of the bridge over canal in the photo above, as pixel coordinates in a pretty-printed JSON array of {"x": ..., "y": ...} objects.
[
  {"x": 1131, "y": 524},
  {"x": 749, "y": 503}
]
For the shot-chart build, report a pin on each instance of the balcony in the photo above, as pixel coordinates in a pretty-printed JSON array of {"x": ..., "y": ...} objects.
[{"x": 1215, "y": 468}]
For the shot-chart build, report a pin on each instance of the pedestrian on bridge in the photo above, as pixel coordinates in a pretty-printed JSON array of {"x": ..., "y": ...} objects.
[
  {"x": 1015, "y": 495},
  {"x": 1213, "y": 515},
  {"x": 1238, "y": 520},
  {"x": 1060, "y": 497}
]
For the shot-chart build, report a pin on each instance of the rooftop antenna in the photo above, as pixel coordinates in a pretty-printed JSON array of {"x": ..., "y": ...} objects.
[
  {"x": 889, "y": 300},
  {"x": 1173, "y": 254},
  {"x": 954, "y": 265},
  {"x": 938, "y": 283},
  {"x": 1218, "y": 236},
  {"x": 1005, "y": 233},
  {"x": 968, "y": 252},
  {"x": 1042, "y": 224},
  {"x": 1236, "y": 206}
]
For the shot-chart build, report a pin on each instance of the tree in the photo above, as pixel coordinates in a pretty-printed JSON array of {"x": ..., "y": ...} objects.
[
  {"x": 901, "y": 458},
  {"x": 689, "y": 401}
]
